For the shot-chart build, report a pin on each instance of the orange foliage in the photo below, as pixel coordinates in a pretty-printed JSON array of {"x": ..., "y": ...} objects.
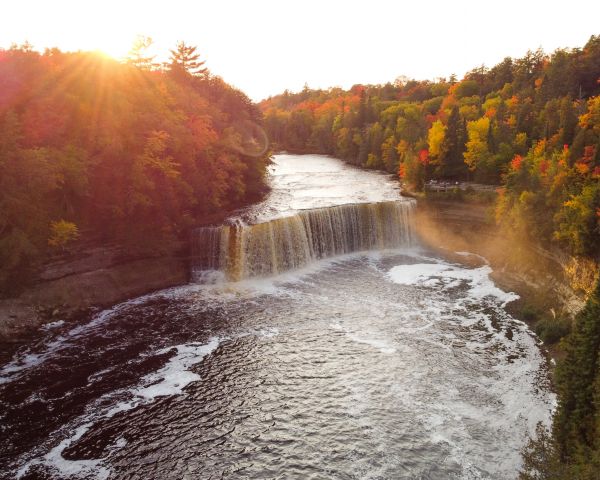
[
  {"x": 582, "y": 168},
  {"x": 402, "y": 171},
  {"x": 516, "y": 162},
  {"x": 126, "y": 152},
  {"x": 540, "y": 147},
  {"x": 309, "y": 105},
  {"x": 512, "y": 102},
  {"x": 202, "y": 132}
]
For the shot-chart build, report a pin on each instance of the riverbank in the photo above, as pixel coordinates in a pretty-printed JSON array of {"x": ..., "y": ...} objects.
[
  {"x": 552, "y": 284},
  {"x": 93, "y": 275},
  {"x": 96, "y": 278}
]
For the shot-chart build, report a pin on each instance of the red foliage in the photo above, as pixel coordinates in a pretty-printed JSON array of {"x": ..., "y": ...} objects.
[
  {"x": 589, "y": 152},
  {"x": 430, "y": 118},
  {"x": 516, "y": 162}
]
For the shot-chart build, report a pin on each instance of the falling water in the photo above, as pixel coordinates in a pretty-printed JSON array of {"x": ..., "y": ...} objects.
[{"x": 276, "y": 246}]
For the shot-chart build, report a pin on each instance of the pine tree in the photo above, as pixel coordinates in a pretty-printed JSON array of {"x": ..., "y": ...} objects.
[
  {"x": 452, "y": 164},
  {"x": 361, "y": 118},
  {"x": 491, "y": 140},
  {"x": 185, "y": 59},
  {"x": 576, "y": 425}
]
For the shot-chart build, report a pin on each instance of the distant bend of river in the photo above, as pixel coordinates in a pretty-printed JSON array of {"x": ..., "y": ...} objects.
[{"x": 387, "y": 364}]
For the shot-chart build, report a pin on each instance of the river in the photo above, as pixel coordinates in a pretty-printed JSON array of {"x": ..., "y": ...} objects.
[{"x": 364, "y": 356}]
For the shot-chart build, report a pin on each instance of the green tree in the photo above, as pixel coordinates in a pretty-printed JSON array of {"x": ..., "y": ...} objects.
[
  {"x": 451, "y": 163},
  {"x": 579, "y": 221},
  {"x": 62, "y": 233},
  {"x": 576, "y": 424}
]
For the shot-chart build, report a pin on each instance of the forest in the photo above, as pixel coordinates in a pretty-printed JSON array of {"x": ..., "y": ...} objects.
[
  {"x": 129, "y": 152},
  {"x": 138, "y": 153},
  {"x": 529, "y": 125}
]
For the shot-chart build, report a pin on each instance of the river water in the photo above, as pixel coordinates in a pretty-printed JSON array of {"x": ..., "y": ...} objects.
[{"x": 361, "y": 361}]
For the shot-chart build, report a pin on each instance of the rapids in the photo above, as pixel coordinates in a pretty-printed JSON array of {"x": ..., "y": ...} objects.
[{"x": 343, "y": 351}]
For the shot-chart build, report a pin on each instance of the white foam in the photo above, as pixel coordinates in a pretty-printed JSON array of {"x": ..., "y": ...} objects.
[
  {"x": 469, "y": 254},
  {"x": 120, "y": 443},
  {"x": 68, "y": 468},
  {"x": 208, "y": 277},
  {"x": 175, "y": 375},
  {"x": 367, "y": 338},
  {"x": 274, "y": 285},
  {"x": 51, "y": 325},
  {"x": 167, "y": 381},
  {"x": 268, "y": 332},
  {"x": 170, "y": 379},
  {"x": 416, "y": 274},
  {"x": 432, "y": 274},
  {"x": 23, "y": 361}
]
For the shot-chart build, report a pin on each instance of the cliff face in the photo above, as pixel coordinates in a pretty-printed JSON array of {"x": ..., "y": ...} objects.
[
  {"x": 98, "y": 277},
  {"x": 95, "y": 274},
  {"x": 547, "y": 278},
  {"x": 94, "y": 277}
]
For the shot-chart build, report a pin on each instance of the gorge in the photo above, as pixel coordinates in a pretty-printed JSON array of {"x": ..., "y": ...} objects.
[{"x": 318, "y": 338}]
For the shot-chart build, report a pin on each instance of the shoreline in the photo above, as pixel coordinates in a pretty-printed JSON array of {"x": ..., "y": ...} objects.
[{"x": 71, "y": 291}]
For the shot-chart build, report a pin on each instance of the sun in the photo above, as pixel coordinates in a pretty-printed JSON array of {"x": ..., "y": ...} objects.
[
  {"x": 115, "y": 45},
  {"x": 116, "y": 52}
]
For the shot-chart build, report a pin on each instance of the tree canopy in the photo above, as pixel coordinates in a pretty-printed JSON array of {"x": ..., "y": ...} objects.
[
  {"x": 118, "y": 151},
  {"x": 531, "y": 124}
]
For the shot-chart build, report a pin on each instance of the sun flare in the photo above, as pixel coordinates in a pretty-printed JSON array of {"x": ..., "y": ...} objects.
[{"x": 116, "y": 46}]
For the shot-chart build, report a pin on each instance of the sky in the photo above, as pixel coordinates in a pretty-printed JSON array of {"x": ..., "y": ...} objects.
[{"x": 264, "y": 47}]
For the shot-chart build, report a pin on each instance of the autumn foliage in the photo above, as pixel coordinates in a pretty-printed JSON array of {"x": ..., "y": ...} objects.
[
  {"x": 531, "y": 123},
  {"x": 121, "y": 152}
]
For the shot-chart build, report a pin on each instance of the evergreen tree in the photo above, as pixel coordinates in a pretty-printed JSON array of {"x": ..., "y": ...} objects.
[
  {"x": 361, "y": 118},
  {"x": 451, "y": 153},
  {"x": 578, "y": 380},
  {"x": 185, "y": 59},
  {"x": 491, "y": 140},
  {"x": 363, "y": 149}
]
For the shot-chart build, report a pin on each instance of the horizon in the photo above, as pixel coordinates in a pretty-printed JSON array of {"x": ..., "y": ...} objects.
[{"x": 337, "y": 44}]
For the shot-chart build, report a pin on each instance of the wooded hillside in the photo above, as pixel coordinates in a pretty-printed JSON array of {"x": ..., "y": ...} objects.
[{"x": 124, "y": 152}]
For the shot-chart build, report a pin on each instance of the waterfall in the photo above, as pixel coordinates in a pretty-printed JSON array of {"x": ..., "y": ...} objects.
[{"x": 265, "y": 249}]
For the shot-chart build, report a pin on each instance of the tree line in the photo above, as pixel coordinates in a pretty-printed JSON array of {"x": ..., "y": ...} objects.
[
  {"x": 127, "y": 152},
  {"x": 531, "y": 124}
]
